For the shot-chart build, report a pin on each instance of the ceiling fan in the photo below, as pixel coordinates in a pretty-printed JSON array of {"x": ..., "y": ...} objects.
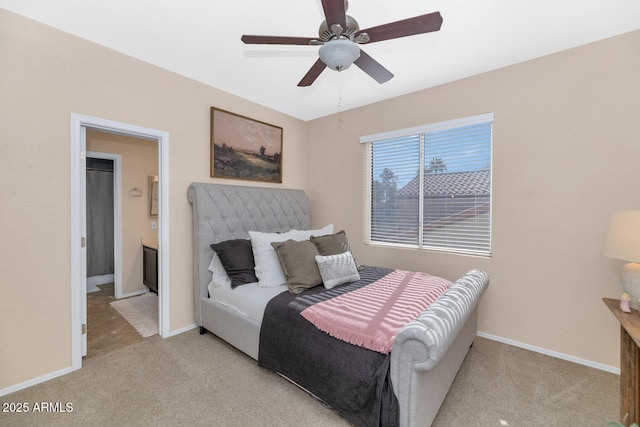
[{"x": 340, "y": 35}]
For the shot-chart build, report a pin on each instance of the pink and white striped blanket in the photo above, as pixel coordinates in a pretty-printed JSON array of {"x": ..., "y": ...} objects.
[{"x": 372, "y": 316}]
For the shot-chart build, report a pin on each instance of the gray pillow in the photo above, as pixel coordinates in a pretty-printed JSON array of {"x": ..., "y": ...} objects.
[
  {"x": 298, "y": 262},
  {"x": 333, "y": 244},
  {"x": 337, "y": 269}
]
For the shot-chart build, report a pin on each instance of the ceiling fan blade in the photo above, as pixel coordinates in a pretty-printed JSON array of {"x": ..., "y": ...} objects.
[
  {"x": 312, "y": 74},
  {"x": 373, "y": 68},
  {"x": 406, "y": 27},
  {"x": 335, "y": 12},
  {"x": 306, "y": 41}
]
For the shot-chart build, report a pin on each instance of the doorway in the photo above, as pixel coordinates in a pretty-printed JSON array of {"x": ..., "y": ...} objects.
[
  {"x": 107, "y": 329},
  {"x": 104, "y": 220},
  {"x": 79, "y": 125}
]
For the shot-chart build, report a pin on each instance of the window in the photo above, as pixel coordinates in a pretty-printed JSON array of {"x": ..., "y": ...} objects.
[{"x": 430, "y": 186}]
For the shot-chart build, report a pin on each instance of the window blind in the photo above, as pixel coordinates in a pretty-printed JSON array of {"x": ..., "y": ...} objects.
[{"x": 430, "y": 187}]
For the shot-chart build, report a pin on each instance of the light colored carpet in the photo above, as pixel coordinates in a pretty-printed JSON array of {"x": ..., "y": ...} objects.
[
  {"x": 197, "y": 380},
  {"x": 141, "y": 312}
]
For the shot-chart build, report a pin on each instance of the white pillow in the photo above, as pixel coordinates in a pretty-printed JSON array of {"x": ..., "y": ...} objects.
[
  {"x": 337, "y": 269},
  {"x": 301, "y": 235},
  {"x": 268, "y": 269},
  {"x": 219, "y": 277}
]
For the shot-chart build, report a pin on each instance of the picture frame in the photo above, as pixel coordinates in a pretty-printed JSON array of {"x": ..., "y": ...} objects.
[{"x": 244, "y": 148}]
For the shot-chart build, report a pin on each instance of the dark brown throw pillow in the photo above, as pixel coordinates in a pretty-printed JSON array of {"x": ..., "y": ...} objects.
[
  {"x": 298, "y": 261},
  {"x": 333, "y": 244},
  {"x": 236, "y": 257}
]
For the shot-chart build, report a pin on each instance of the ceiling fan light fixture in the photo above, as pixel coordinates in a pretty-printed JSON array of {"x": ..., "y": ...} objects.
[{"x": 339, "y": 54}]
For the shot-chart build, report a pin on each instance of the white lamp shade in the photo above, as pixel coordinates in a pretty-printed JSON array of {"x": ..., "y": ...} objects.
[
  {"x": 339, "y": 54},
  {"x": 623, "y": 239},
  {"x": 623, "y": 242}
]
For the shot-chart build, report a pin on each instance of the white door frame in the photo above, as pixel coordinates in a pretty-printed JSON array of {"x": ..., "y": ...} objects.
[
  {"x": 117, "y": 217},
  {"x": 79, "y": 124}
]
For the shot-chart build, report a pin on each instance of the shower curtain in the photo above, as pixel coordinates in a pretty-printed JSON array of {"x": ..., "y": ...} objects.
[{"x": 99, "y": 222}]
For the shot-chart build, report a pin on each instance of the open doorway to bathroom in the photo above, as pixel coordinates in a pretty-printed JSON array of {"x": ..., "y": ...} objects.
[
  {"x": 80, "y": 125},
  {"x": 117, "y": 198}
]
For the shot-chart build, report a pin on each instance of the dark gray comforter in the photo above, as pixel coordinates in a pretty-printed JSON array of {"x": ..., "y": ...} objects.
[{"x": 353, "y": 380}]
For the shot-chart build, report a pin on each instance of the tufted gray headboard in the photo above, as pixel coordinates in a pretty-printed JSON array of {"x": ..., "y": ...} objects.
[{"x": 222, "y": 212}]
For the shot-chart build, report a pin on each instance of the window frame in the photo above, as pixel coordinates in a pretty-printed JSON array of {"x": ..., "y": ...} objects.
[{"x": 369, "y": 140}]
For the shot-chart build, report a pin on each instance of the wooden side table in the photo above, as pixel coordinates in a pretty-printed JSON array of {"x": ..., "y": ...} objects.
[{"x": 629, "y": 361}]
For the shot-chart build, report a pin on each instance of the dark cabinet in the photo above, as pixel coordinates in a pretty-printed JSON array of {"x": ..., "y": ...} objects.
[{"x": 150, "y": 268}]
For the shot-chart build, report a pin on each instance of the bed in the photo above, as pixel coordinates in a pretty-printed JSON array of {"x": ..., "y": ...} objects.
[{"x": 426, "y": 354}]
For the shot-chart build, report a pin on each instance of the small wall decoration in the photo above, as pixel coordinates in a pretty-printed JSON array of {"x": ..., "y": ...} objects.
[{"x": 243, "y": 148}]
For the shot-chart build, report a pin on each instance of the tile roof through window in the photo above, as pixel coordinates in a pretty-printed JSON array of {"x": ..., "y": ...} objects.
[{"x": 450, "y": 184}]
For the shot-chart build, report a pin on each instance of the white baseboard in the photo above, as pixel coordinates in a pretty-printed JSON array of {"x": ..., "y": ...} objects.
[
  {"x": 181, "y": 330},
  {"x": 133, "y": 294},
  {"x": 551, "y": 353},
  {"x": 100, "y": 280},
  {"x": 35, "y": 381}
]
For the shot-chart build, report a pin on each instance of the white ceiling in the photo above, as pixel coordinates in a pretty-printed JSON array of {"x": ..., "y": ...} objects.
[{"x": 201, "y": 40}]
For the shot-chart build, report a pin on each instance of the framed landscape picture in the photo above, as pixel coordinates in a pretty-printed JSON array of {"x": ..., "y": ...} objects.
[{"x": 243, "y": 148}]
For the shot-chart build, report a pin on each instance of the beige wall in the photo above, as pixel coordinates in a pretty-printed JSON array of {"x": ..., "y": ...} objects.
[
  {"x": 139, "y": 160},
  {"x": 46, "y": 75},
  {"x": 565, "y": 157}
]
